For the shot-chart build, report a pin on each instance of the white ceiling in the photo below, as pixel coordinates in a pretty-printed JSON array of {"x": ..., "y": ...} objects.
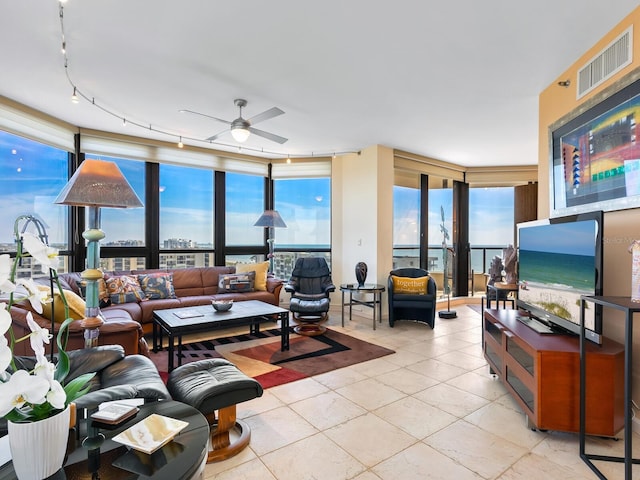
[{"x": 453, "y": 80}]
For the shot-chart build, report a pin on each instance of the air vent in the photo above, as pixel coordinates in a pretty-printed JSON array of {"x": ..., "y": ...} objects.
[{"x": 617, "y": 55}]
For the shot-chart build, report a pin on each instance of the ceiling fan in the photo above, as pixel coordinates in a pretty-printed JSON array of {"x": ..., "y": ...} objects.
[{"x": 241, "y": 128}]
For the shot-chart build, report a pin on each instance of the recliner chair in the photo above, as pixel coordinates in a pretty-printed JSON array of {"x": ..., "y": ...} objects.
[
  {"x": 417, "y": 306},
  {"x": 310, "y": 285}
]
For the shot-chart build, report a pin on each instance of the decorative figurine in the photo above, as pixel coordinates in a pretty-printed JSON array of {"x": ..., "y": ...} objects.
[{"x": 361, "y": 273}]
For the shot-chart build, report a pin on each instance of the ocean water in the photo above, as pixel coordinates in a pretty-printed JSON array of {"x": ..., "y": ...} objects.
[{"x": 558, "y": 270}]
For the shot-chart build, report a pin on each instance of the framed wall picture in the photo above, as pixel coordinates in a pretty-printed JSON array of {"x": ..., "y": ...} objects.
[{"x": 596, "y": 156}]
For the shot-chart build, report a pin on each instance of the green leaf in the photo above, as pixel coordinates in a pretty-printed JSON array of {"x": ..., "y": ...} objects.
[
  {"x": 78, "y": 386},
  {"x": 62, "y": 369}
]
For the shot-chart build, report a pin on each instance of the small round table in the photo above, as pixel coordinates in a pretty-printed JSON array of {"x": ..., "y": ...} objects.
[
  {"x": 373, "y": 288},
  {"x": 182, "y": 458}
]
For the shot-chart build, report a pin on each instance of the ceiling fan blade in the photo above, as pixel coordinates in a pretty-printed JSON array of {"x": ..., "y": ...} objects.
[
  {"x": 211, "y": 139},
  {"x": 205, "y": 115},
  {"x": 269, "y": 136},
  {"x": 266, "y": 115}
]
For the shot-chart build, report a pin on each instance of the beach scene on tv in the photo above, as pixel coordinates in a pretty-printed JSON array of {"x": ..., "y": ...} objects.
[{"x": 556, "y": 265}]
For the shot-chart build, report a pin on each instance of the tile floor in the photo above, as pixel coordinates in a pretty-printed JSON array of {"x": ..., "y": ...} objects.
[{"x": 429, "y": 411}]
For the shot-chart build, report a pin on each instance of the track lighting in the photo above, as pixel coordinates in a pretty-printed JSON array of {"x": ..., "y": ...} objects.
[
  {"x": 564, "y": 83},
  {"x": 74, "y": 97},
  {"x": 180, "y": 144}
]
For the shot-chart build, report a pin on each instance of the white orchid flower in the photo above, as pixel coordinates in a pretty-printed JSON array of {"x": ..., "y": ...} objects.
[
  {"x": 36, "y": 296},
  {"x": 56, "y": 396},
  {"x": 5, "y": 353},
  {"x": 20, "y": 389},
  {"x": 44, "y": 369},
  {"x": 5, "y": 274},
  {"x": 5, "y": 319},
  {"x": 39, "y": 336},
  {"x": 44, "y": 254}
]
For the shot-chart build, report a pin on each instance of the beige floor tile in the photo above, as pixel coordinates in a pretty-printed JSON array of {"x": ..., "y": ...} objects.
[
  {"x": 313, "y": 458},
  {"x": 451, "y": 399},
  {"x": 483, "y": 384},
  {"x": 404, "y": 357},
  {"x": 478, "y": 450},
  {"x": 370, "y": 393},
  {"x": 534, "y": 467},
  {"x": 339, "y": 378},
  {"x": 268, "y": 401},
  {"x": 562, "y": 449},
  {"x": 367, "y": 476},
  {"x": 415, "y": 417},
  {"x": 462, "y": 360},
  {"x": 295, "y": 391},
  {"x": 370, "y": 439},
  {"x": 506, "y": 423},
  {"x": 276, "y": 428},
  {"x": 420, "y": 462},
  {"x": 406, "y": 381},
  {"x": 375, "y": 367},
  {"x": 253, "y": 470},
  {"x": 438, "y": 370},
  {"x": 327, "y": 410}
]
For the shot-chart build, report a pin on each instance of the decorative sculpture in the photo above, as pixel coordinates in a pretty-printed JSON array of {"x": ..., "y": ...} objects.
[
  {"x": 510, "y": 257},
  {"x": 361, "y": 273}
]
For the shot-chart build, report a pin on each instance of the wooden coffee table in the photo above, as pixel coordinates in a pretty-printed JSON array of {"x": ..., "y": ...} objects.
[{"x": 176, "y": 322}]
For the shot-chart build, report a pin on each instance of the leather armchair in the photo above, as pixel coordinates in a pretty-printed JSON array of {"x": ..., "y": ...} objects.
[
  {"x": 419, "y": 307},
  {"x": 310, "y": 285},
  {"x": 118, "y": 376}
]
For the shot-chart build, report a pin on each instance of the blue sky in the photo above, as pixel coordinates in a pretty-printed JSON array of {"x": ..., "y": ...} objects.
[{"x": 575, "y": 238}]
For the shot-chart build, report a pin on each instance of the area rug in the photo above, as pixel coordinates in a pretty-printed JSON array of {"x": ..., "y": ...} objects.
[{"x": 259, "y": 356}]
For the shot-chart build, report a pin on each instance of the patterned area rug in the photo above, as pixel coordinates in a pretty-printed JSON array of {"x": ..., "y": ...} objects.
[{"x": 259, "y": 356}]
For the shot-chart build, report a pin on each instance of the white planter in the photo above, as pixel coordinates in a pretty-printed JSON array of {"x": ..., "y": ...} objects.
[{"x": 38, "y": 448}]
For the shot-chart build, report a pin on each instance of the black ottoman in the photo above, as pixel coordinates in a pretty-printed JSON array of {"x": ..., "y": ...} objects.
[
  {"x": 309, "y": 314},
  {"x": 216, "y": 384}
]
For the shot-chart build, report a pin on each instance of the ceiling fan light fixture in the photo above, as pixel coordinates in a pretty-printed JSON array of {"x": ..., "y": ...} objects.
[{"x": 240, "y": 130}]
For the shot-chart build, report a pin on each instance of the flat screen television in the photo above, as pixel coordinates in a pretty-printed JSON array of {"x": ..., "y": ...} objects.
[{"x": 560, "y": 259}]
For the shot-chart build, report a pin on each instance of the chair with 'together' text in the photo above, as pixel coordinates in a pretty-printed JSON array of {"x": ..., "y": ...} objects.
[{"x": 412, "y": 296}]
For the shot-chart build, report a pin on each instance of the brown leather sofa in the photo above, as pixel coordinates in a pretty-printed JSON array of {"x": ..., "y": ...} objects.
[{"x": 127, "y": 323}]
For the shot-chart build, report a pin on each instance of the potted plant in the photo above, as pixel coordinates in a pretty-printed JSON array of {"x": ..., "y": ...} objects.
[{"x": 36, "y": 403}]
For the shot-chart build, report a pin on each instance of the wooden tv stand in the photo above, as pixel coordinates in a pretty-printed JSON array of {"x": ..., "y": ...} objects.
[{"x": 542, "y": 373}]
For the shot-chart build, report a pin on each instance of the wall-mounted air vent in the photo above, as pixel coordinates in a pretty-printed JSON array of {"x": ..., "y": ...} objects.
[{"x": 617, "y": 55}]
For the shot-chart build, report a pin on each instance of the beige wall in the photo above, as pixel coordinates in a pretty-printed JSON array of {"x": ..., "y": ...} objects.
[
  {"x": 621, "y": 227},
  {"x": 362, "y": 216}
]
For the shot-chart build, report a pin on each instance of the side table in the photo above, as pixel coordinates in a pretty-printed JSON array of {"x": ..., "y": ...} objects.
[
  {"x": 630, "y": 309},
  {"x": 373, "y": 288}
]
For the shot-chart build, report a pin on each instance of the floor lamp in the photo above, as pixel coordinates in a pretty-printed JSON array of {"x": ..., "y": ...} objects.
[
  {"x": 270, "y": 219},
  {"x": 96, "y": 184}
]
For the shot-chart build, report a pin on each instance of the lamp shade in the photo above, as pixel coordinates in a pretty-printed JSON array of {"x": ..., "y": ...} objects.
[
  {"x": 270, "y": 218},
  {"x": 240, "y": 134},
  {"x": 98, "y": 183}
]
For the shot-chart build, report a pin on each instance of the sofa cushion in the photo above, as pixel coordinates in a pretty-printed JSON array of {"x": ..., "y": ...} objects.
[
  {"x": 74, "y": 301},
  {"x": 236, "y": 283},
  {"x": 408, "y": 285},
  {"x": 261, "y": 270},
  {"x": 157, "y": 285},
  {"x": 124, "y": 289}
]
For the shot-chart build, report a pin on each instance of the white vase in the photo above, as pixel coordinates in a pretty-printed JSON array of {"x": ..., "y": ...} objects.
[{"x": 38, "y": 448}]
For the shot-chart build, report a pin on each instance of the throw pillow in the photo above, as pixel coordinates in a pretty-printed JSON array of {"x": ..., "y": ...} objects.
[
  {"x": 157, "y": 285},
  {"x": 261, "y": 270},
  {"x": 124, "y": 289},
  {"x": 237, "y": 283},
  {"x": 407, "y": 285},
  {"x": 74, "y": 301},
  {"x": 103, "y": 293}
]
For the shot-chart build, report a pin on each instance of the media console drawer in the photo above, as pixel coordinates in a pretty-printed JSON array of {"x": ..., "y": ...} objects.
[{"x": 542, "y": 373}]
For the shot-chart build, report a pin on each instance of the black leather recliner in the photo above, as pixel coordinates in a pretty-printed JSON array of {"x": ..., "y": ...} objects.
[
  {"x": 409, "y": 306},
  {"x": 310, "y": 285}
]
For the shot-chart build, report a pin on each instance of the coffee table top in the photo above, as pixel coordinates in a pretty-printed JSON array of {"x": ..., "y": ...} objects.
[{"x": 205, "y": 314}]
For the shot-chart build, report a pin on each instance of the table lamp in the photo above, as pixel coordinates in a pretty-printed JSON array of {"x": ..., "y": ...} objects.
[
  {"x": 96, "y": 184},
  {"x": 270, "y": 219}
]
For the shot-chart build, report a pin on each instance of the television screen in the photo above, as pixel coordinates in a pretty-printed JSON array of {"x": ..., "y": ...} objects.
[{"x": 559, "y": 260}]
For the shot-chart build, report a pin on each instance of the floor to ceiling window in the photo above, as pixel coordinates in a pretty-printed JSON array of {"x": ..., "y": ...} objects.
[
  {"x": 244, "y": 203},
  {"x": 31, "y": 177},
  {"x": 124, "y": 228},
  {"x": 406, "y": 227},
  {"x": 305, "y": 206},
  {"x": 186, "y": 216},
  {"x": 491, "y": 228}
]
